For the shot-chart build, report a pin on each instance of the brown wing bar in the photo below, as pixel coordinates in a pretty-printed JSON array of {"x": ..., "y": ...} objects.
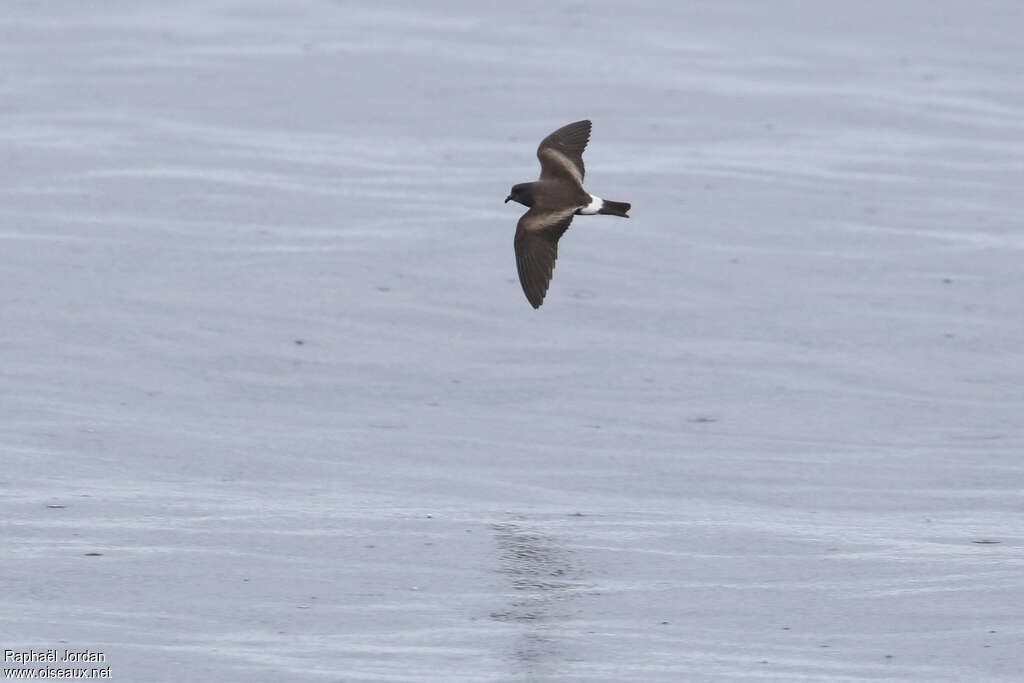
[
  {"x": 536, "y": 246},
  {"x": 561, "y": 153}
]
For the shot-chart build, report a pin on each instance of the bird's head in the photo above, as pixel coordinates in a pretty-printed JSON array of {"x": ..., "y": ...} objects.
[{"x": 521, "y": 193}]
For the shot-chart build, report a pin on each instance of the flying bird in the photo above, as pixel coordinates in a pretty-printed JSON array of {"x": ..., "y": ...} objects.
[{"x": 553, "y": 201}]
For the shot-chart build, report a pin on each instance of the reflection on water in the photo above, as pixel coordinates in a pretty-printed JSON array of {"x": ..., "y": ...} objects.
[{"x": 544, "y": 579}]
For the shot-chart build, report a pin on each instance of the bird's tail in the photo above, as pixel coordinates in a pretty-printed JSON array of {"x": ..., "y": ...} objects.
[{"x": 614, "y": 208}]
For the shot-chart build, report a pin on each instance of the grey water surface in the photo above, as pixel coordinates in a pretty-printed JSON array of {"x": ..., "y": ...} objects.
[{"x": 274, "y": 408}]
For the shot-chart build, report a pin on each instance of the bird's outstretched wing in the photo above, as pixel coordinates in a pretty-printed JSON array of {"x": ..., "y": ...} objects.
[
  {"x": 537, "y": 248},
  {"x": 561, "y": 153}
]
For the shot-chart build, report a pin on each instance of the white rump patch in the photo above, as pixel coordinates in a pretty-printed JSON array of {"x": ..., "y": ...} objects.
[{"x": 593, "y": 207}]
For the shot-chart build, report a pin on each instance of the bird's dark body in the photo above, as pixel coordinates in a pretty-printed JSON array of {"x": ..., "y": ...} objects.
[
  {"x": 550, "y": 194},
  {"x": 553, "y": 200}
]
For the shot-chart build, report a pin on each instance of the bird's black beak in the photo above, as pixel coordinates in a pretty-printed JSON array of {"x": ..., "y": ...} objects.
[{"x": 508, "y": 198}]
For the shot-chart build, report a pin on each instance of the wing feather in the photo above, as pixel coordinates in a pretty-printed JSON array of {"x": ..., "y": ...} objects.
[
  {"x": 536, "y": 245},
  {"x": 561, "y": 153}
]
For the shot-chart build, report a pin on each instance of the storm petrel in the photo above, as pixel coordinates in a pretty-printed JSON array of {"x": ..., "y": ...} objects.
[{"x": 553, "y": 201}]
